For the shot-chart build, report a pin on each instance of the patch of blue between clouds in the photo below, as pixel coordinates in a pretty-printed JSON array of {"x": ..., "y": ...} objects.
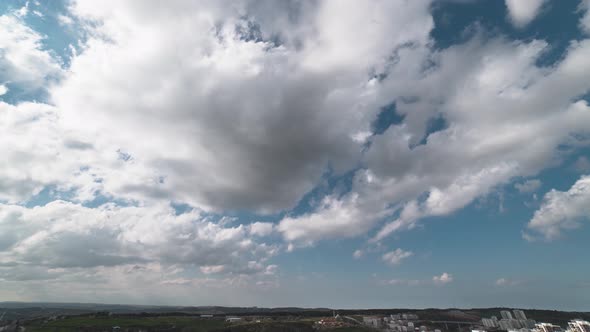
[
  {"x": 557, "y": 23},
  {"x": 52, "y": 193},
  {"x": 434, "y": 125},
  {"x": 387, "y": 117},
  {"x": 49, "y": 194}
]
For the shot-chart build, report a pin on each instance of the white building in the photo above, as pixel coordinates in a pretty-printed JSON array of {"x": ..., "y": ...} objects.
[
  {"x": 488, "y": 322},
  {"x": 546, "y": 327},
  {"x": 578, "y": 325},
  {"x": 519, "y": 314},
  {"x": 372, "y": 321},
  {"x": 504, "y": 324},
  {"x": 506, "y": 314}
]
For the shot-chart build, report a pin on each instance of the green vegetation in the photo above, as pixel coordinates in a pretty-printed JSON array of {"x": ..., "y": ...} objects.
[{"x": 89, "y": 323}]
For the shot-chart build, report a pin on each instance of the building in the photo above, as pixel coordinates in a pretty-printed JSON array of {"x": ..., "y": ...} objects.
[
  {"x": 489, "y": 322},
  {"x": 546, "y": 327},
  {"x": 505, "y": 325},
  {"x": 510, "y": 324},
  {"x": 506, "y": 314},
  {"x": 410, "y": 316},
  {"x": 520, "y": 330},
  {"x": 578, "y": 325},
  {"x": 233, "y": 319},
  {"x": 372, "y": 321},
  {"x": 519, "y": 314}
]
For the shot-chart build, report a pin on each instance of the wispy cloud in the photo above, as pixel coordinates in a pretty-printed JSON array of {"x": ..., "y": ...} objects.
[{"x": 396, "y": 256}]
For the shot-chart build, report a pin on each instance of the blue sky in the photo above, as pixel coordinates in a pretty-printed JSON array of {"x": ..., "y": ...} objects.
[{"x": 337, "y": 154}]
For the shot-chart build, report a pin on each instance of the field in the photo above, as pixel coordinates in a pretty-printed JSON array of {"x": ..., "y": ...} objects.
[
  {"x": 172, "y": 324},
  {"x": 88, "y": 323}
]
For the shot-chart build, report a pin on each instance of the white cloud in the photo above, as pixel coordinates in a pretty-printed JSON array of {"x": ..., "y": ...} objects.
[
  {"x": 22, "y": 11},
  {"x": 492, "y": 95},
  {"x": 53, "y": 236},
  {"x": 267, "y": 121},
  {"x": 65, "y": 20},
  {"x": 24, "y": 62},
  {"x": 396, "y": 257},
  {"x": 334, "y": 218},
  {"x": 244, "y": 106},
  {"x": 444, "y": 278},
  {"x": 562, "y": 210},
  {"x": 522, "y": 12},
  {"x": 261, "y": 228},
  {"x": 501, "y": 282},
  {"x": 358, "y": 254},
  {"x": 3, "y": 89},
  {"x": 32, "y": 140},
  {"x": 506, "y": 282},
  {"x": 404, "y": 282},
  {"x": 266, "y": 166},
  {"x": 528, "y": 186},
  {"x": 209, "y": 269}
]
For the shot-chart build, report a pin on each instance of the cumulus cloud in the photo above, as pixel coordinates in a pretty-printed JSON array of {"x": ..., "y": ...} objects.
[
  {"x": 32, "y": 140},
  {"x": 24, "y": 62},
  {"x": 396, "y": 256},
  {"x": 334, "y": 218},
  {"x": 509, "y": 100},
  {"x": 529, "y": 186},
  {"x": 67, "y": 235},
  {"x": 261, "y": 228},
  {"x": 235, "y": 120},
  {"x": 444, "y": 278},
  {"x": 522, "y": 12},
  {"x": 561, "y": 210},
  {"x": 230, "y": 107}
]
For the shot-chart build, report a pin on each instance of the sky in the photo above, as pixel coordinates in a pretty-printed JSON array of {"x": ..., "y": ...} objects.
[{"x": 343, "y": 154}]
